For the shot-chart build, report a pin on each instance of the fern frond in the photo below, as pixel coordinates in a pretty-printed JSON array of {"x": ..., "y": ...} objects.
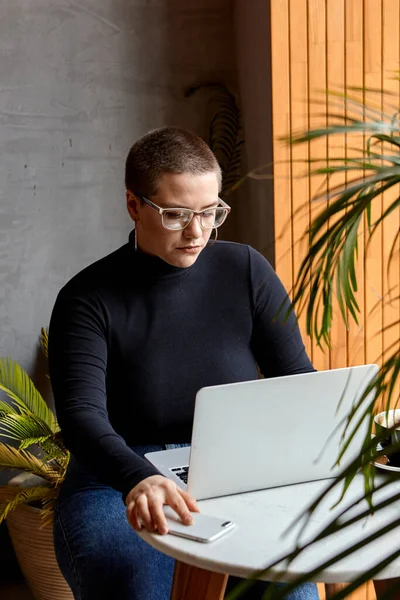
[{"x": 18, "y": 386}]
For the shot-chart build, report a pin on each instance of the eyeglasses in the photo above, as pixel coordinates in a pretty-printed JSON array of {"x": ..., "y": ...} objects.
[{"x": 177, "y": 219}]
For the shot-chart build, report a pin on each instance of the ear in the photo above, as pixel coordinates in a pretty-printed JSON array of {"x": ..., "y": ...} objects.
[{"x": 133, "y": 204}]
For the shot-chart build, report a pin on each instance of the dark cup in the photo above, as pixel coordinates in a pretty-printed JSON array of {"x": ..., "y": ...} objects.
[{"x": 384, "y": 423}]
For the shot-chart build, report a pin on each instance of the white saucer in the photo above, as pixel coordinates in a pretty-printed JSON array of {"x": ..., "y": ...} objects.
[
  {"x": 380, "y": 465},
  {"x": 386, "y": 467}
]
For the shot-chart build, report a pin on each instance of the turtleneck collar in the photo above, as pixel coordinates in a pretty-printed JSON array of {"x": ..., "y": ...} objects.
[{"x": 152, "y": 265}]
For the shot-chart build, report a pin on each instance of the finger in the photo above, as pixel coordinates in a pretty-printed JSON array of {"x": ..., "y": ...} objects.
[
  {"x": 190, "y": 501},
  {"x": 157, "y": 514},
  {"x": 136, "y": 522},
  {"x": 132, "y": 517},
  {"x": 143, "y": 513},
  {"x": 129, "y": 510},
  {"x": 175, "y": 500}
]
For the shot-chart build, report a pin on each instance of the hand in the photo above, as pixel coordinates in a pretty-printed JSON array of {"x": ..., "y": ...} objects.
[{"x": 144, "y": 504}]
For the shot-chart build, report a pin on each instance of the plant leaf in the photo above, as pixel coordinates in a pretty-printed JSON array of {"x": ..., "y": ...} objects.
[
  {"x": 16, "y": 383},
  {"x": 6, "y": 409},
  {"x": 24, "y": 426},
  {"x": 43, "y": 494},
  {"x": 13, "y": 458}
]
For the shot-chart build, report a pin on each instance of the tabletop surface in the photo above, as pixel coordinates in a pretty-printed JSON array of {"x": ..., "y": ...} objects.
[{"x": 261, "y": 519}]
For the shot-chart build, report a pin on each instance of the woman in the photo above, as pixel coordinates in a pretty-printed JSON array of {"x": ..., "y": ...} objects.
[{"x": 132, "y": 338}]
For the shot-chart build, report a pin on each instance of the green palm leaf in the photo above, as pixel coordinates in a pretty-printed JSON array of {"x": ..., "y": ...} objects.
[
  {"x": 16, "y": 383},
  {"x": 43, "y": 494},
  {"x": 328, "y": 270},
  {"x": 329, "y": 267},
  {"x": 14, "y": 458},
  {"x": 54, "y": 449},
  {"x": 27, "y": 442},
  {"x": 333, "y": 252},
  {"x": 30, "y": 430},
  {"x": 23, "y": 427},
  {"x": 6, "y": 409}
]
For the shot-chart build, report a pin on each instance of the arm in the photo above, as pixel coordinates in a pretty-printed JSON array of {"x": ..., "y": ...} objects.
[
  {"x": 277, "y": 345},
  {"x": 78, "y": 364}
]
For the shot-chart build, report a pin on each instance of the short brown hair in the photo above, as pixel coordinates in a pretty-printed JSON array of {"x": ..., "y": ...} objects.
[{"x": 167, "y": 150}]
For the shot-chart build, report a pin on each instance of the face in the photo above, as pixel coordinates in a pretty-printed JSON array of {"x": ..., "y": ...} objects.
[{"x": 175, "y": 190}]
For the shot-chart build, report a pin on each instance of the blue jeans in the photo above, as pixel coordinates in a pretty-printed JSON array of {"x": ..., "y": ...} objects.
[{"x": 102, "y": 557}]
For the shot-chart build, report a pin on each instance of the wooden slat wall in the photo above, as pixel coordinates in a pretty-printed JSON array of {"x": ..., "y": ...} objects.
[
  {"x": 318, "y": 44},
  {"x": 390, "y": 64}
]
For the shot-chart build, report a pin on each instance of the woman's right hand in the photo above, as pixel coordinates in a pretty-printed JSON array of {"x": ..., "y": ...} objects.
[{"x": 144, "y": 504}]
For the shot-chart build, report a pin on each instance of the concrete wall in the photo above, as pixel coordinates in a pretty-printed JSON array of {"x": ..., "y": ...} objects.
[
  {"x": 253, "y": 49},
  {"x": 79, "y": 82}
]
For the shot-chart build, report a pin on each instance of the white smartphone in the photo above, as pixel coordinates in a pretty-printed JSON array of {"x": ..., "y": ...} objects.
[{"x": 205, "y": 528}]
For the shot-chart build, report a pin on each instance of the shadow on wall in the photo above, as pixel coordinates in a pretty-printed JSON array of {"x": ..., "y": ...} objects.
[
  {"x": 80, "y": 84},
  {"x": 202, "y": 44},
  {"x": 164, "y": 51},
  {"x": 182, "y": 44}
]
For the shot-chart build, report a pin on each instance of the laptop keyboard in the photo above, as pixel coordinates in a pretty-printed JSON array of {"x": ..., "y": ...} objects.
[{"x": 181, "y": 472}]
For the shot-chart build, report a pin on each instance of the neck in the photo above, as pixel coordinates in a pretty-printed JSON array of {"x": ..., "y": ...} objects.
[{"x": 151, "y": 264}]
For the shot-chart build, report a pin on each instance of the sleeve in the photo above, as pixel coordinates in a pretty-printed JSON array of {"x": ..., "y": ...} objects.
[
  {"x": 277, "y": 343},
  {"x": 78, "y": 364}
]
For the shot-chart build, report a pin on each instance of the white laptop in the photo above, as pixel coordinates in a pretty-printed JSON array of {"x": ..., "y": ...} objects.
[{"x": 267, "y": 433}]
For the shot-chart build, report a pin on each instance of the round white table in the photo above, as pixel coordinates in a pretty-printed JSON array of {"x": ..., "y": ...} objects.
[{"x": 259, "y": 539}]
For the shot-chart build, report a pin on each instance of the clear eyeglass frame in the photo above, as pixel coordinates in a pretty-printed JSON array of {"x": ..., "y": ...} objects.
[{"x": 184, "y": 216}]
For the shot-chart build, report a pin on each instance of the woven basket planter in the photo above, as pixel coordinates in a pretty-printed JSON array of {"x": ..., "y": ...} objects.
[
  {"x": 34, "y": 546},
  {"x": 34, "y": 549}
]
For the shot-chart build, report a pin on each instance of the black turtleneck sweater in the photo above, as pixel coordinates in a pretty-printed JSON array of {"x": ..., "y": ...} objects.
[{"x": 132, "y": 339}]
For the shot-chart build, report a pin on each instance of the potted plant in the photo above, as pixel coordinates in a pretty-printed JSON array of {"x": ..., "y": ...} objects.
[
  {"x": 27, "y": 502},
  {"x": 328, "y": 270}
]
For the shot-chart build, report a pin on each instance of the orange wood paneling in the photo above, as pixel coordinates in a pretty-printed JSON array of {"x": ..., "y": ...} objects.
[
  {"x": 354, "y": 64},
  {"x": 281, "y": 118},
  {"x": 317, "y": 80},
  {"x": 298, "y": 121},
  {"x": 391, "y": 226},
  {"x": 373, "y": 258},
  {"x": 335, "y": 69},
  {"x": 320, "y": 44}
]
